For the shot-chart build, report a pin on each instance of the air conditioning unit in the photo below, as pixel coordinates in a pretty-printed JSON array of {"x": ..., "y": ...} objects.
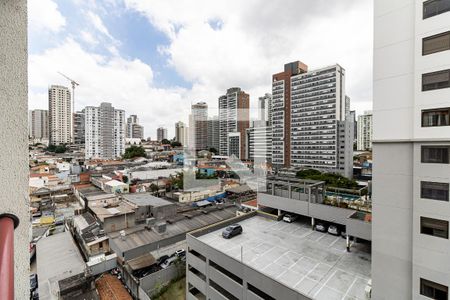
[{"x": 160, "y": 227}]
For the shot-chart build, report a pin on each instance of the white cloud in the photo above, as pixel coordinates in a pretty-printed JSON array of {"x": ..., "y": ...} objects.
[
  {"x": 219, "y": 44},
  {"x": 127, "y": 84},
  {"x": 98, "y": 24},
  {"x": 89, "y": 38},
  {"x": 44, "y": 15}
]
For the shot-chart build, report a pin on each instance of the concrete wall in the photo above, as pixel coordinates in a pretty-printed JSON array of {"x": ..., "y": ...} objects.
[
  {"x": 162, "y": 277},
  {"x": 119, "y": 222},
  {"x": 286, "y": 204},
  {"x": 14, "y": 132},
  {"x": 108, "y": 264},
  {"x": 392, "y": 221}
]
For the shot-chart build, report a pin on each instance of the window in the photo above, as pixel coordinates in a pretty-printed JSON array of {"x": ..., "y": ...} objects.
[
  {"x": 435, "y": 117},
  {"x": 434, "y": 190},
  {"x": 435, "y": 154},
  {"x": 259, "y": 292},
  {"x": 436, "y": 80},
  {"x": 226, "y": 272},
  {"x": 435, "y": 7},
  {"x": 436, "y": 43},
  {"x": 433, "y": 290},
  {"x": 434, "y": 227},
  {"x": 222, "y": 291}
]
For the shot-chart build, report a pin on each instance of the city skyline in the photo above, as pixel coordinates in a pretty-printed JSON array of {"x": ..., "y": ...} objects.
[{"x": 154, "y": 76}]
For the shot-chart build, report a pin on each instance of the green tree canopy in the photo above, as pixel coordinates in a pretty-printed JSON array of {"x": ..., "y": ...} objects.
[
  {"x": 134, "y": 151},
  {"x": 165, "y": 141},
  {"x": 57, "y": 149},
  {"x": 331, "y": 179},
  {"x": 175, "y": 144}
]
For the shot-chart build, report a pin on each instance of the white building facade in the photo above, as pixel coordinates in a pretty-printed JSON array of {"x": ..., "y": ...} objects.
[
  {"x": 181, "y": 133},
  {"x": 104, "y": 132},
  {"x": 38, "y": 124},
  {"x": 321, "y": 139},
  {"x": 161, "y": 134},
  {"x": 365, "y": 131},
  {"x": 59, "y": 115},
  {"x": 411, "y": 145}
]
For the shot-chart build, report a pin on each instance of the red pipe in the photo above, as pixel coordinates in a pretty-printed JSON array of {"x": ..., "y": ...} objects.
[{"x": 6, "y": 258}]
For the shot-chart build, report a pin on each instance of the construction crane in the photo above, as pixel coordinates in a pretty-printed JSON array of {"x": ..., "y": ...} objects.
[{"x": 74, "y": 84}]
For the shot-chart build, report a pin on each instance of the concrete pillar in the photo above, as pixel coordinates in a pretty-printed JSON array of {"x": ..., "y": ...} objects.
[
  {"x": 313, "y": 223},
  {"x": 290, "y": 191},
  {"x": 348, "y": 242},
  {"x": 14, "y": 197},
  {"x": 273, "y": 188}
]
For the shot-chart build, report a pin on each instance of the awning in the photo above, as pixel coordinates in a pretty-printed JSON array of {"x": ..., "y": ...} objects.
[{"x": 140, "y": 262}]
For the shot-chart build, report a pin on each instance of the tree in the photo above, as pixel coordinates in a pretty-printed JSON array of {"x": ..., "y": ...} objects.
[
  {"x": 331, "y": 179},
  {"x": 125, "y": 179},
  {"x": 134, "y": 151},
  {"x": 165, "y": 142},
  {"x": 57, "y": 149},
  {"x": 213, "y": 150},
  {"x": 154, "y": 188},
  {"x": 175, "y": 144}
]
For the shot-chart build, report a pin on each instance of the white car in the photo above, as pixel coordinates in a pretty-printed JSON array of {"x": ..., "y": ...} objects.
[
  {"x": 289, "y": 218},
  {"x": 168, "y": 262}
]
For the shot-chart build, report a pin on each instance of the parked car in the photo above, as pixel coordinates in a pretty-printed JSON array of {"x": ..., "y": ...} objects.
[
  {"x": 289, "y": 218},
  {"x": 321, "y": 227},
  {"x": 180, "y": 253},
  {"x": 334, "y": 230},
  {"x": 33, "y": 282},
  {"x": 168, "y": 262},
  {"x": 232, "y": 231},
  {"x": 162, "y": 259}
]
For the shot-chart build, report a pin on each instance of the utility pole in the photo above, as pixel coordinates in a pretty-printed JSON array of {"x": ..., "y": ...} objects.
[{"x": 74, "y": 84}]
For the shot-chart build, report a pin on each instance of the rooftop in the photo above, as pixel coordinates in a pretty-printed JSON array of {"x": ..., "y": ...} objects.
[
  {"x": 139, "y": 235},
  {"x": 146, "y": 199},
  {"x": 57, "y": 258},
  {"x": 104, "y": 208},
  {"x": 314, "y": 263}
]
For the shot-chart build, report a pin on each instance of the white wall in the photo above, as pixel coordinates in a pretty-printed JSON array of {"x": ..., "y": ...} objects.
[{"x": 14, "y": 132}]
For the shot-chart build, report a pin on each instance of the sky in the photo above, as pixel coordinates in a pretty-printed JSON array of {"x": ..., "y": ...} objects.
[{"x": 154, "y": 58}]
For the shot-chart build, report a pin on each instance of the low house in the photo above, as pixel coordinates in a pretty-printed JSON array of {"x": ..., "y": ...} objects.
[
  {"x": 149, "y": 206},
  {"x": 116, "y": 187}
]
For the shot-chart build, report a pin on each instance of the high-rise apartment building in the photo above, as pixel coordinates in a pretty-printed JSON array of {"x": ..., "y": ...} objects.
[
  {"x": 213, "y": 133},
  {"x": 161, "y": 134},
  {"x": 105, "y": 132},
  {"x": 259, "y": 142},
  {"x": 181, "y": 133},
  {"x": 198, "y": 126},
  {"x": 79, "y": 128},
  {"x": 365, "y": 130},
  {"x": 134, "y": 130},
  {"x": 59, "y": 115},
  {"x": 281, "y": 113},
  {"x": 411, "y": 145},
  {"x": 320, "y": 137},
  {"x": 352, "y": 118},
  {"x": 38, "y": 124},
  {"x": 265, "y": 108},
  {"x": 233, "y": 121}
]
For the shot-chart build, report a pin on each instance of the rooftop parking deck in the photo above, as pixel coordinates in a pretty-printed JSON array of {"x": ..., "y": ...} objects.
[{"x": 314, "y": 263}]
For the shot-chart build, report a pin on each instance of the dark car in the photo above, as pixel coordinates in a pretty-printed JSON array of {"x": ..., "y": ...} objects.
[
  {"x": 162, "y": 259},
  {"x": 232, "y": 231},
  {"x": 33, "y": 282}
]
